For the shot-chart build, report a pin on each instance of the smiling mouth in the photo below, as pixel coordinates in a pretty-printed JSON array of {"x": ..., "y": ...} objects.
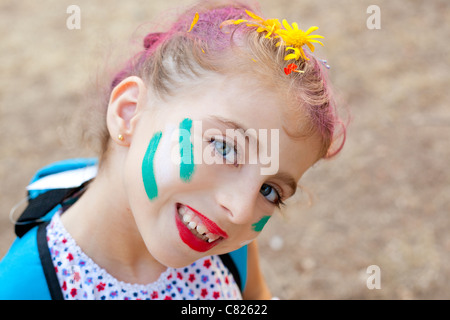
[
  {"x": 199, "y": 225},
  {"x": 196, "y": 230}
]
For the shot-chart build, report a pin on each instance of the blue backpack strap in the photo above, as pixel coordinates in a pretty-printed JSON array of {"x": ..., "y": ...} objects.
[
  {"x": 21, "y": 274},
  {"x": 27, "y": 272},
  {"x": 47, "y": 263},
  {"x": 64, "y": 165},
  {"x": 239, "y": 257},
  {"x": 41, "y": 209},
  {"x": 236, "y": 262}
]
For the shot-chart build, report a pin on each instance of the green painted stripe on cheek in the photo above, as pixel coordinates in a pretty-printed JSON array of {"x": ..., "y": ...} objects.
[
  {"x": 187, "y": 161},
  {"x": 258, "y": 226},
  {"x": 148, "y": 173}
]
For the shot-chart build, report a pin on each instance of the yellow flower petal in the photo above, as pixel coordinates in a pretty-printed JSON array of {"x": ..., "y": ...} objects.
[
  {"x": 239, "y": 21},
  {"x": 292, "y": 56},
  {"x": 286, "y": 25},
  {"x": 254, "y": 16},
  {"x": 316, "y": 36},
  {"x": 310, "y": 46},
  {"x": 194, "y": 22},
  {"x": 295, "y": 25},
  {"x": 302, "y": 53},
  {"x": 251, "y": 24},
  {"x": 312, "y": 29},
  {"x": 228, "y": 22},
  {"x": 269, "y": 32},
  {"x": 317, "y": 41}
]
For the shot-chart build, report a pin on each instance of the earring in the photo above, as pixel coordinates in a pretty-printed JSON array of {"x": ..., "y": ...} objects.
[{"x": 120, "y": 137}]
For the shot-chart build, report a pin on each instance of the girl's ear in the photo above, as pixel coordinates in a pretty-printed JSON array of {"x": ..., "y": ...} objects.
[{"x": 125, "y": 104}]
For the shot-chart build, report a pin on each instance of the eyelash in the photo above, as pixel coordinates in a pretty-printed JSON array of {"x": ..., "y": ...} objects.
[{"x": 278, "y": 203}]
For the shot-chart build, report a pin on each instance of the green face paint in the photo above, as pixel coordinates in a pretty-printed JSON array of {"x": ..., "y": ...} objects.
[
  {"x": 258, "y": 226},
  {"x": 186, "y": 151},
  {"x": 148, "y": 173}
]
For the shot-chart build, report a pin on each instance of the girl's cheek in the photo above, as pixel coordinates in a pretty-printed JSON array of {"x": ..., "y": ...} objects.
[
  {"x": 167, "y": 151},
  {"x": 148, "y": 167},
  {"x": 259, "y": 226},
  {"x": 255, "y": 227}
]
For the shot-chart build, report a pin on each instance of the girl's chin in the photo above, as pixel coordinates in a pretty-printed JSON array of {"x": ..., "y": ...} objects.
[
  {"x": 174, "y": 254},
  {"x": 177, "y": 262}
]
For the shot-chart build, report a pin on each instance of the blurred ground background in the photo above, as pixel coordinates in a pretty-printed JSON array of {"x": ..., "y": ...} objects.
[{"x": 385, "y": 200}]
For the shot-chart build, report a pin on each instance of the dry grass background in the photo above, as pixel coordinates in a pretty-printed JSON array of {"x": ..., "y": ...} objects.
[{"x": 384, "y": 201}]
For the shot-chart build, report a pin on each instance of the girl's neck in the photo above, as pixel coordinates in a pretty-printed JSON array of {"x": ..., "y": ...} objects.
[{"x": 103, "y": 226}]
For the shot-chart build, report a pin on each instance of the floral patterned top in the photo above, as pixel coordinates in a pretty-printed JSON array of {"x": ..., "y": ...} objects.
[{"x": 81, "y": 278}]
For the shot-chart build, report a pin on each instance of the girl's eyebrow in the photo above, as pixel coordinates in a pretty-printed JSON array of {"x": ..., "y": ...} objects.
[
  {"x": 234, "y": 125},
  {"x": 227, "y": 122},
  {"x": 288, "y": 180}
]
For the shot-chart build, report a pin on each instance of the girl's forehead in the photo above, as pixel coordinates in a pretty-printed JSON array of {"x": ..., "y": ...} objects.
[{"x": 238, "y": 95}]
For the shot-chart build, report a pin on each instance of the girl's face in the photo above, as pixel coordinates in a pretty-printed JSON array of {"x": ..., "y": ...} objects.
[{"x": 207, "y": 169}]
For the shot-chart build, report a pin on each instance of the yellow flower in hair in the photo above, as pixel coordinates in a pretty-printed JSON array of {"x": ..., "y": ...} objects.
[
  {"x": 269, "y": 25},
  {"x": 295, "y": 38}
]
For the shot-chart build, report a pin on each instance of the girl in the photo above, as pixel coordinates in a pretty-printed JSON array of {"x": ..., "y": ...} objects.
[{"x": 181, "y": 180}]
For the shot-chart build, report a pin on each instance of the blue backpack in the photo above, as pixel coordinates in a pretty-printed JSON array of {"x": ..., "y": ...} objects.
[{"x": 26, "y": 271}]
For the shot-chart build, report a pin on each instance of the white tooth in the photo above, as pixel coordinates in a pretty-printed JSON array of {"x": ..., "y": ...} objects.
[
  {"x": 192, "y": 225},
  {"x": 182, "y": 210},
  {"x": 212, "y": 236},
  {"x": 201, "y": 229},
  {"x": 187, "y": 218}
]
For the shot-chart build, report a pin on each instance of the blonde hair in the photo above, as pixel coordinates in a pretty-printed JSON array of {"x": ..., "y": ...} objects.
[{"x": 171, "y": 57}]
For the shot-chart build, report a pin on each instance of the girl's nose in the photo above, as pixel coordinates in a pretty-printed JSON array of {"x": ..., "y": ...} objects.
[{"x": 239, "y": 199}]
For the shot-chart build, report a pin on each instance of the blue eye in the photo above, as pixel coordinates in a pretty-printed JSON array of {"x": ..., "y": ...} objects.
[
  {"x": 271, "y": 194},
  {"x": 222, "y": 148},
  {"x": 228, "y": 152}
]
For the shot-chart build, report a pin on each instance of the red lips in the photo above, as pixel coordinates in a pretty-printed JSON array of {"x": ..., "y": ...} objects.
[{"x": 192, "y": 240}]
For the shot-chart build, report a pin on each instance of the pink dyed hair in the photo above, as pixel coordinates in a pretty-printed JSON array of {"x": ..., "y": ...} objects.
[{"x": 209, "y": 48}]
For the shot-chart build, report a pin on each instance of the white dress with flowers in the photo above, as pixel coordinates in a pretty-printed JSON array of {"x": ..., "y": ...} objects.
[{"x": 81, "y": 278}]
